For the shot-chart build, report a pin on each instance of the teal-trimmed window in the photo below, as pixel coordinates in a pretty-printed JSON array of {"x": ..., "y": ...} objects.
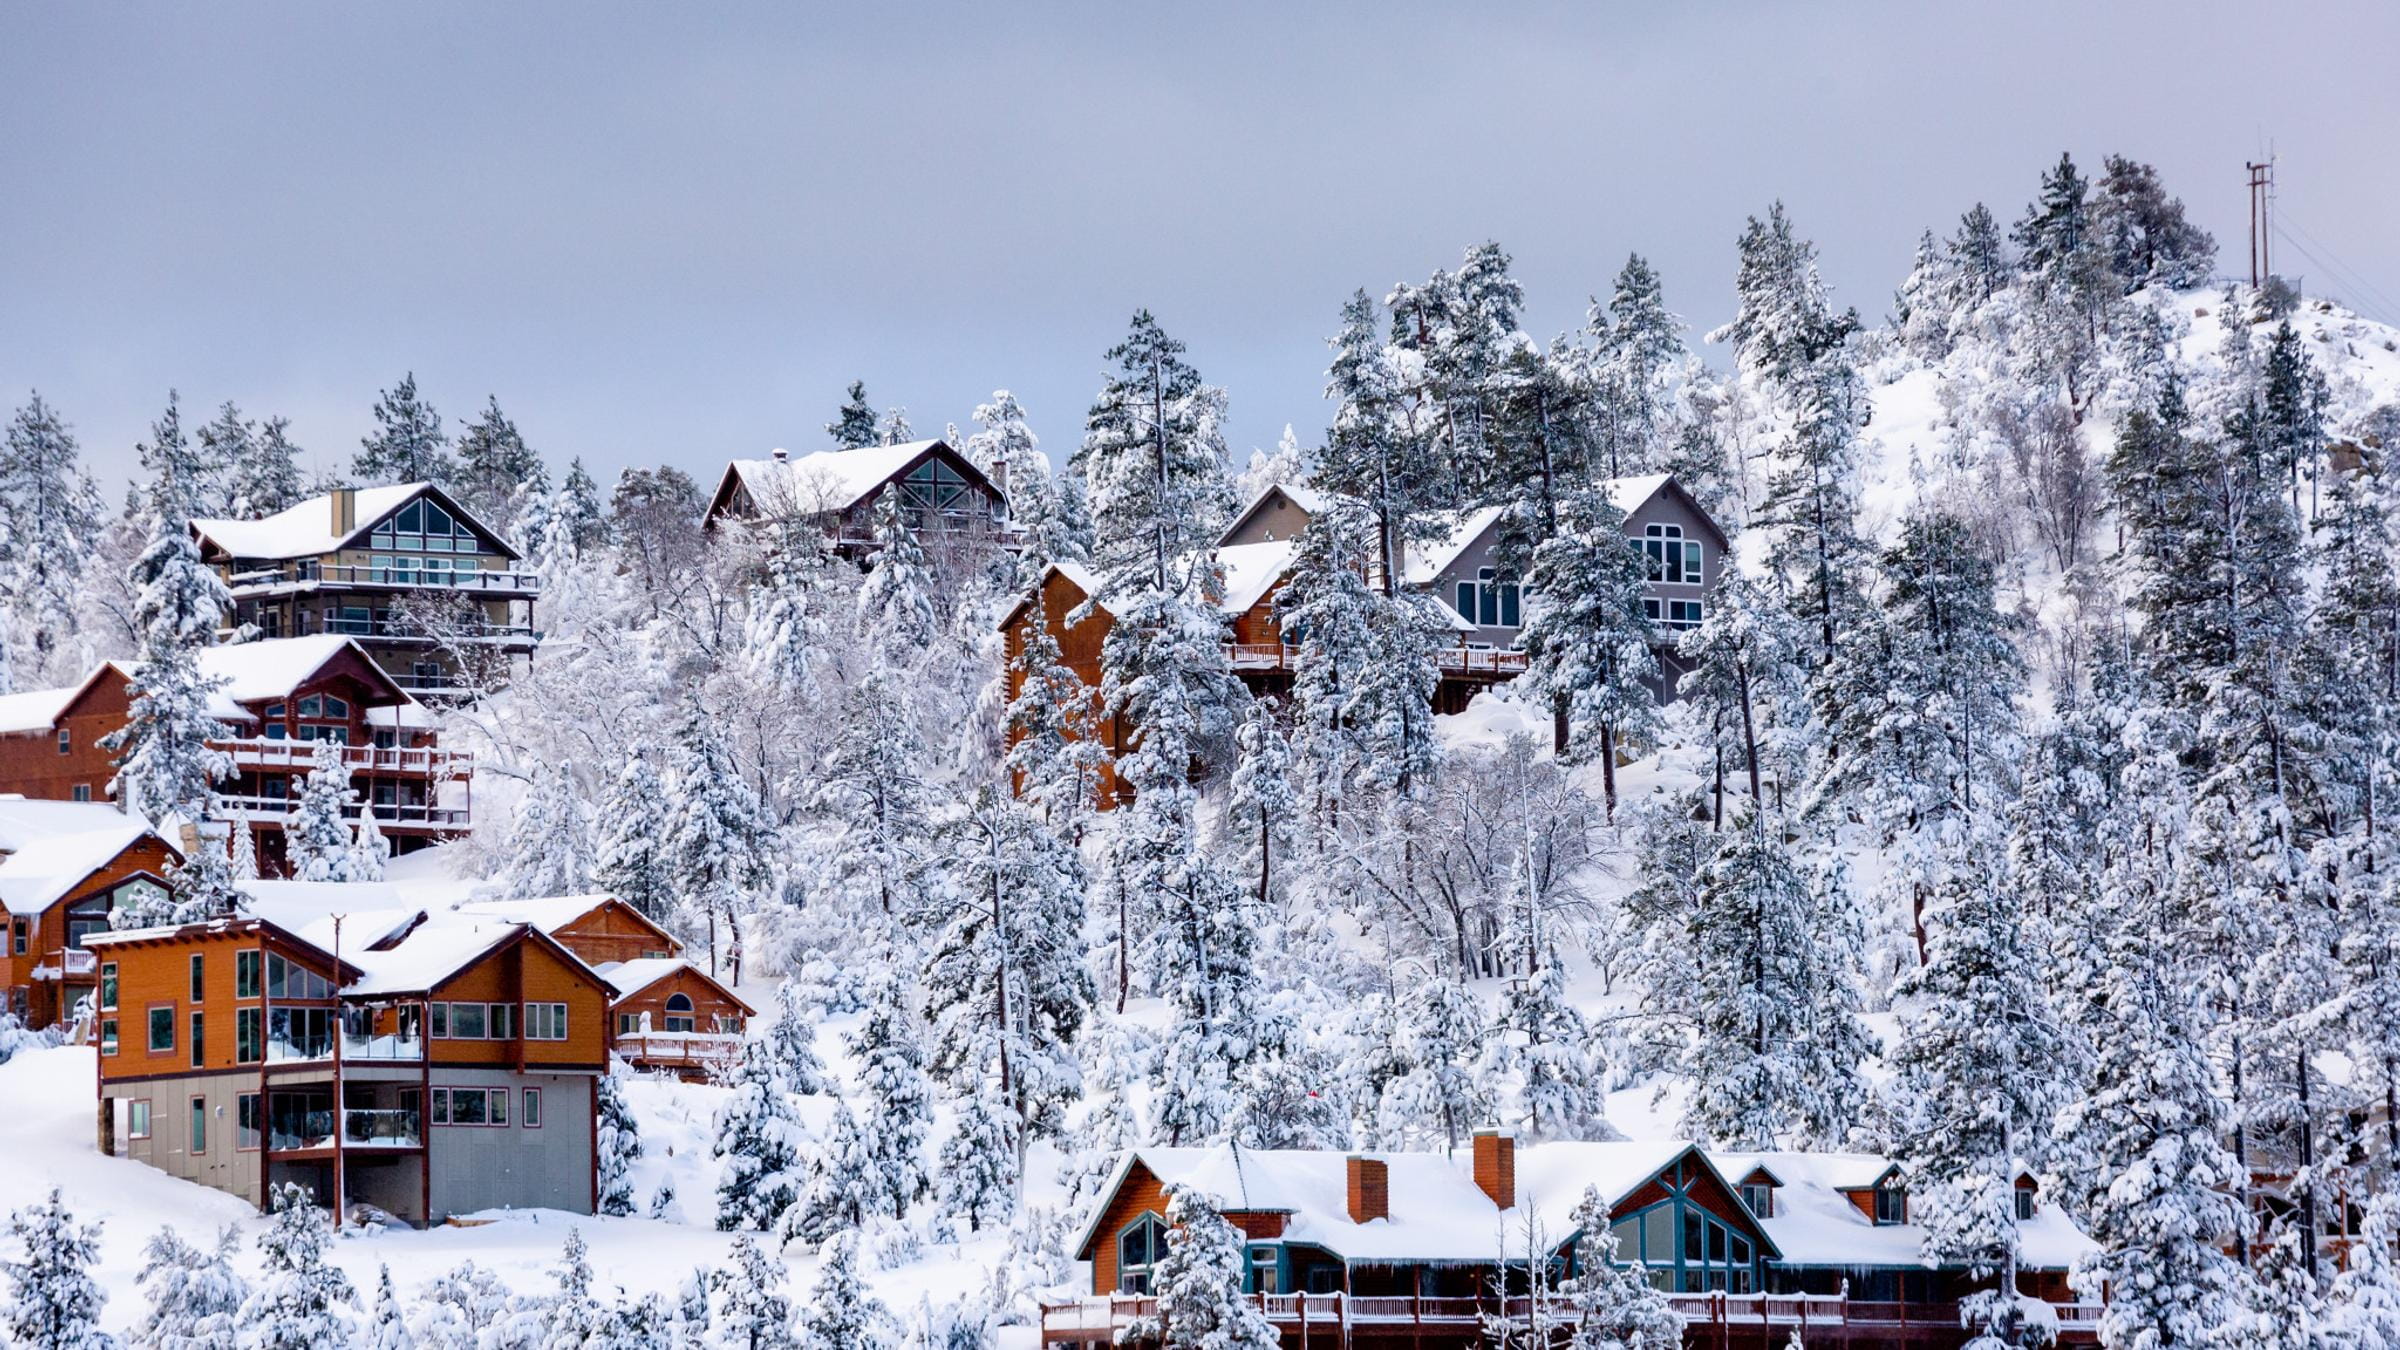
[
  {"x": 934, "y": 487},
  {"x": 1265, "y": 1273},
  {"x": 1140, "y": 1248},
  {"x": 1891, "y": 1204},
  {"x": 1684, "y": 1247},
  {"x": 1759, "y": 1198}
]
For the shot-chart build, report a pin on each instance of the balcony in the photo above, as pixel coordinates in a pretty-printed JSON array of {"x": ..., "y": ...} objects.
[
  {"x": 381, "y": 1128},
  {"x": 1486, "y": 663},
  {"x": 72, "y": 965},
  {"x": 391, "y": 815},
  {"x": 302, "y": 577},
  {"x": 301, "y": 756},
  {"x": 299, "y": 1036},
  {"x": 682, "y": 1051}
]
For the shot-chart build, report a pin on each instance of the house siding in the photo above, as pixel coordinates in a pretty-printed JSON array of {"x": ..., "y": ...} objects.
[
  {"x": 515, "y": 1166},
  {"x": 45, "y": 1003}
]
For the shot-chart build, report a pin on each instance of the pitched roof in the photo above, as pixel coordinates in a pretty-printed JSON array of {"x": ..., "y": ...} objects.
[
  {"x": 554, "y": 912},
  {"x": 1251, "y": 570},
  {"x": 632, "y": 977},
  {"x": 273, "y": 667},
  {"x": 1816, "y": 1225},
  {"x": 835, "y": 480},
  {"x": 1627, "y": 494},
  {"x": 35, "y": 710},
  {"x": 306, "y": 530},
  {"x": 1311, "y": 501},
  {"x": 51, "y": 847}
]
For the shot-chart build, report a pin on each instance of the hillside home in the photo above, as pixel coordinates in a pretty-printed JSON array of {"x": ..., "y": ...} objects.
[
  {"x": 280, "y": 699},
  {"x": 948, "y": 501},
  {"x": 63, "y": 867},
  {"x": 1416, "y": 1248},
  {"x": 668, "y": 1014},
  {"x": 404, "y": 569},
  {"x": 428, "y": 1064}
]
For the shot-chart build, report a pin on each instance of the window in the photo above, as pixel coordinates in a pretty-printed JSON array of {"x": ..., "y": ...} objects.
[
  {"x": 66, "y": 741},
  {"x": 81, "y": 792},
  {"x": 1891, "y": 1204},
  {"x": 466, "y": 1021},
  {"x": 246, "y": 1121},
  {"x": 199, "y": 1125},
  {"x": 1262, "y": 1269},
  {"x": 1677, "y": 613},
  {"x": 1759, "y": 1198},
  {"x": 108, "y": 985},
  {"x": 679, "y": 1013},
  {"x": 197, "y": 1057},
  {"x": 628, "y": 1023},
  {"x": 162, "y": 1030},
  {"x": 545, "y": 1021},
  {"x": 290, "y": 979},
  {"x": 17, "y": 936},
  {"x": 533, "y": 1108},
  {"x": 441, "y": 1106},
  {"x": 478, "y": 1106},
  {"x": 249, "y": 1040},
  {"x": 441, "y": 1022},
  {"x": 2024, "y": 1204},
  {"x": 468, "y": 1107},
  {"x": 1139, "y": 1249},
  {"x": 1673, "y": 558},
  {"x": 137, "y": 1118},
  {"x": 246, "y": 966},
  {"x": 139, "y": 893},
  {"x": 197, "y": 984},
  {"x": 300, "y": 1033},
  {"x": 1488, "y": 601},
  {"x": 503, "y": 1018},
  {"x": 108, "y": 1035},
  {"x": 934, "y": 486}
]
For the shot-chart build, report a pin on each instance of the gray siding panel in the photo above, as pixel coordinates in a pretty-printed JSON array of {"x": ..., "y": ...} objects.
[{"x": 515, "y": 1166}]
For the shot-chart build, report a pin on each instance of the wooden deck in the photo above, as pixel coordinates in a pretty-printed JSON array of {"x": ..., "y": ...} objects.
[{"x": 1457, "y": 663}]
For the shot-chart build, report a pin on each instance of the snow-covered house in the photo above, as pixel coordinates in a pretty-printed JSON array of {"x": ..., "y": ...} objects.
[
  {"x": 423, "y": 1061},
  {"x": 942, "y": 495},
  {"x": 280, "y": 700},
  {"x": 64, "y": 866},
  {"x": 1410, "y": 1248},
  {"x": 404, "y": 569}
]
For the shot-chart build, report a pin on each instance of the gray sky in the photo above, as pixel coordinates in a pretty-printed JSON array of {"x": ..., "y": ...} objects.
[{"x": 672, "y": 233}]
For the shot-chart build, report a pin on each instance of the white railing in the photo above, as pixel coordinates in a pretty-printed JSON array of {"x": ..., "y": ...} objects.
[
  {"x": 67, "y": 963},
  {"x": 259, "y": 752},
  {"x": 680, "y": 1049},
  {"x": 388, "y": 813},
  {"x": 1493, "y": 661},
  {"x": 490, "y": 579},
  {"x": 381, "y": 1048}
]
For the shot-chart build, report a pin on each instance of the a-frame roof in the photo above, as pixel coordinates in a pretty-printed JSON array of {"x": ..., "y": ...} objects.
[
  {"x": 834, "y": 480},
  {"x": 307, "y": 530}
]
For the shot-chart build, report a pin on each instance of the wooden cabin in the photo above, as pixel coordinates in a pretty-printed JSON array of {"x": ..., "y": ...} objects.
[
  {"x": 64, "y": 868},
  {"x": 945, "y": 498}
]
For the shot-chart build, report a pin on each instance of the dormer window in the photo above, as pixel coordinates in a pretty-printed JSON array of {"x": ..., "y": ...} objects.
[
  {"x": 2025, "y": 1199},
  {"x": 1891, "y": 1204},
  {"x": 1489, "y": 601},
  {"x": 1759, "y": 1198}
]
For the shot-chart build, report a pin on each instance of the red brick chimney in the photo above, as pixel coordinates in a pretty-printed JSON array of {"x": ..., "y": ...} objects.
[
  {"x": 1496, "y": 1167},
  {"x": 1370, "y": 1189}
]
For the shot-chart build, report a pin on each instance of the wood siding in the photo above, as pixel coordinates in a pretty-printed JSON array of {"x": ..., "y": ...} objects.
[
  {"x": 157, "y": 973},
  {"x": 47, "y": 1002},
  {"x": 527, "y": 970},
  {"x": 614, "y": 931},
  {"x": 1079, "y": 651}
]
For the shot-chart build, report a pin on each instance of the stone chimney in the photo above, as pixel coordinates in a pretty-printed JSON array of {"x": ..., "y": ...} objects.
[
  {"x": 345, "y": 510},
  {"x": 1370, "y": 1188},
  {"x": 1496, "y": 1167}
]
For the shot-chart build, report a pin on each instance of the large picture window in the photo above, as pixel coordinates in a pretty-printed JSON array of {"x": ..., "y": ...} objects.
[
  {"x": 1686, "y": 1248},
  {"x": 1139, "y": 1250},
  {"x": 1488, "y": 601},
  {"x": 1673, "y": 558}
]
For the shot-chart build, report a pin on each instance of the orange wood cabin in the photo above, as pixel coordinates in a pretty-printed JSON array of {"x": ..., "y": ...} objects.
[
  {"x": 440, "y": 1065},
  {"x": 280, "y": 699},
  {"x": 1426, "y": 1250},
  {"x": 64, "y": 868}
]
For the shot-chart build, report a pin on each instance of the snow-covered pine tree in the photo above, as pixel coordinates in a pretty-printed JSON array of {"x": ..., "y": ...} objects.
[
  {"x": 164, "y": 763},
  {"x": 896, "y": 614},
  {"x": 571, "y": 1317},
  {"x": 193, "y": 1296},
  {"x": 1443, "y": 1095},
  {"x": 1327, "y": 605},
  {"x": 1588, "y": 639},
  {"x": 549, "y": 846},
  {"x": 226, "y": 446},
  {"x": 1612, "y": 1306},
  {"x": 1459, "y": 329},
  {"x": 407, "y": 446},
  {"x": 48, "y": 526},
  {"x": 1545, "y": 1048},
  {"x": 299, "y": 1302},
  {"x": 1114, "y": 1059},
  {"x": 978, "y": 1177},
  {"x": 1395, "y": 697},
  {"x": 1745, "y": 660},
  {"x": 1262, "y": 810},
  {"x": 789, "y": 1044},
  {"x": 1006, "y": 988},
  {"x": 1201, "y": 956},
  {"x": 780, "y": 634},
  {"x": 1638, "y": 348},
  {"x": 317, "y": 842},
  {"x": 715, "y": 830},
  {"x": 758, "y": 1134},
  {"x": 747, "y": 1307},
  {"x": 267, "y": 478},
  {"x": 874, "y": 791},
  {"x": 1004, "y": 445},
  {"x": 496, "y": 470},
  {"x": 579, "y": 506},
  {"x": 634, "y": 862},
  {"x": 1979, "y": 1069},
  {"x": 619, "y": 1144},
  {"x": 370, "y": 851},
  {"x": 53, "y": 1301},
  {"x": 1776, "y": 1046},
  {"x": 2364, "y": 1302},
  {"x": 1201, "y": 1305},
  {"x": 387, "y": 1318},
  {"x": 894, "y": 428},
  {"x": 2148, "y": 239},
  {"x": 1055, "y": 754},
  {"x": 899, "y": 1098},
  {"x": 844, "y": 1190},
  {"x": 853, "y": 428},
  {"x": 841, "y": 1314},
  {"x": 1379, "y": 451}
]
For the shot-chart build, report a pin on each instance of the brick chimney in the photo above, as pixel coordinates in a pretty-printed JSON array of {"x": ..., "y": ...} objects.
[
  {"x": 345, "y": 510},
  {"x": 1370, "y": 1188},
  {"x": 1496, "y": 1167}
]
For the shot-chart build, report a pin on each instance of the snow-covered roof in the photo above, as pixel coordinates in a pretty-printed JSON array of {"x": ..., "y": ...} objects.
[
  {"x": 424, "y": 940},
  {"x": 50, "y": 847},
  {"x": 273, "y": 667},
  {"x": 1426, "y": 561},
  {"x": 827, "y": 480},
  {"x": 1251, "y": 570},
  {"x": 1816, "y": 1225},
  {"x": 306, "y": 530},
  {"x": 548, "y": 913},
  {"x": 632, "y": 977},
  {"x": 35, "y": 710},
  {"x": 1311, "y": 501}
]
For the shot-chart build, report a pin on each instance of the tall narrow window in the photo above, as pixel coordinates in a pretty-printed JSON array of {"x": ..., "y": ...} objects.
[
  {"x": 197, "y": 1051},
  {"x": 198, "y": 985},
  {"x": 66, "y": 741},
  {"x": 199, "y": 1125},
  {"x": 245, "y": 973}
]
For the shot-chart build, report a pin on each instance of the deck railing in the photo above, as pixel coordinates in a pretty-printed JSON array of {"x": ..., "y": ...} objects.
[
  {"x": 402, "y": 814},
  {"x": 710, "y": 1050},
  {"x": 496, "y": 580},
  {"x": 259, "y": 752},
  {"x": 381, "y": 1128},
  {"x": 1473, "y": 662}
]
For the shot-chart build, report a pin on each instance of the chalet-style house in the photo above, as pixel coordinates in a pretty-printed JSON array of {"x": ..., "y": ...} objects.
[
  {"x": 1414, "y": 1249},
  {"x": 668, "y": 1014},
  {"x": 280, "y": 700},
  {"x": 1685, "y": 549},
  {"x": 423, "y": 1062},
  {"x": 63, "y": 867},
  {"x": 403, "y": 569},
  {"x": 943, "y": 496}
]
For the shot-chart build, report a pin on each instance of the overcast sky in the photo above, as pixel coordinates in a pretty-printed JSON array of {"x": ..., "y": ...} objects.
[{"x": 672, "y": 233}]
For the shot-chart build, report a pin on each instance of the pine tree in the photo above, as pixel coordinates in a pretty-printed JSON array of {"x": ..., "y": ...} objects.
[
  {"x": 841, "y": 1314},
  {"x": 634, "y": 862},
  {"x": 1639, "y": 346},
  {"x": 164, "y": 762},
  {"x": 1544, "y": 1045},
  {"x": 579, "y": 506},
  {"x": 194, "y": 1296},
  {"x": 2365, "y": 1299},
  {"x": 407, "y": 446},
  {"x": 1612, "y": 1306},
  {"x": 496, "y": 470},
  {"x": 267, "y": 478},
  {"x": 1055, "y": 754},
  {"x": 1442, "y": 1094},
  {"x": 571, "y": 1317},
  {"x": 1745, "y": 660},
  {"x": 619, "y": 1144},
  {"x": 715, "y": 830},
  {"x": 1262, "y": 810},
  {"x": 1588, "y": 639},
  {"x": 895, "y": 603},
  {"x": 317, "y": 841},
  {"x": 549, "y": 846},
  {"x": 978, "y": 1177},
  {"x": 747, "y": 1308},
  {"x": 387, "y": 1321},
  {"x": 894, "y": 428},
  {"x": 48, "y": 527},
  {"x": 1202, "y": 958},
  {"x": 899, "y": 1099},
  {"x": 1007, "y": 451},
  {"x": 781, "y": 636},
  {"x": 1201, "y": 1305},
  {"x": 1006, "y": 980},
  {"x": 226, "y": 448},
  {"x": 1379, "y": 452},
  {"x": 2145, "y": 233},
  {"x": 789, "y": 1045},
  {"x": 1459, "y": 329},
  {"x": 758, "y": 1134},
  {"x": 299, "y": 1302},
  {"x": 844, "y": 1190},
  {"x": 54, "y": 1303},
  {"x": 1327, "y": 607},
  {"x": 873, "y": 790},
  {"x": 853, "y": 428}
]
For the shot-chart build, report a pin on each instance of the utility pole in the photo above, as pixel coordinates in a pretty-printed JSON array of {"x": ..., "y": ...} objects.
[{"x": 2262, "y": 203}]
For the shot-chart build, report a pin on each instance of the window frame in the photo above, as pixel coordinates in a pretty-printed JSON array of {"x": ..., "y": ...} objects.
[
  {"x": 249, "y": 972},
  {"x": 250, "y": 1120},
  {"x": 545, "y": 1021},
  {"x": 108, "y": 1036},
  {"x": 1891, "y": 1205},
  {"x": 250, "y": 1035},
  {"x": 199, "y": 977},
  {"x": 199, "y": 1140},
  {"x": 151, "y": 1028},
  {"x": 137, "y": 1118},
  {"x": 1154, "y": 1230},
  {"x": 199, "y": 1040},
  {"x": 531, "y": 1112}
]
